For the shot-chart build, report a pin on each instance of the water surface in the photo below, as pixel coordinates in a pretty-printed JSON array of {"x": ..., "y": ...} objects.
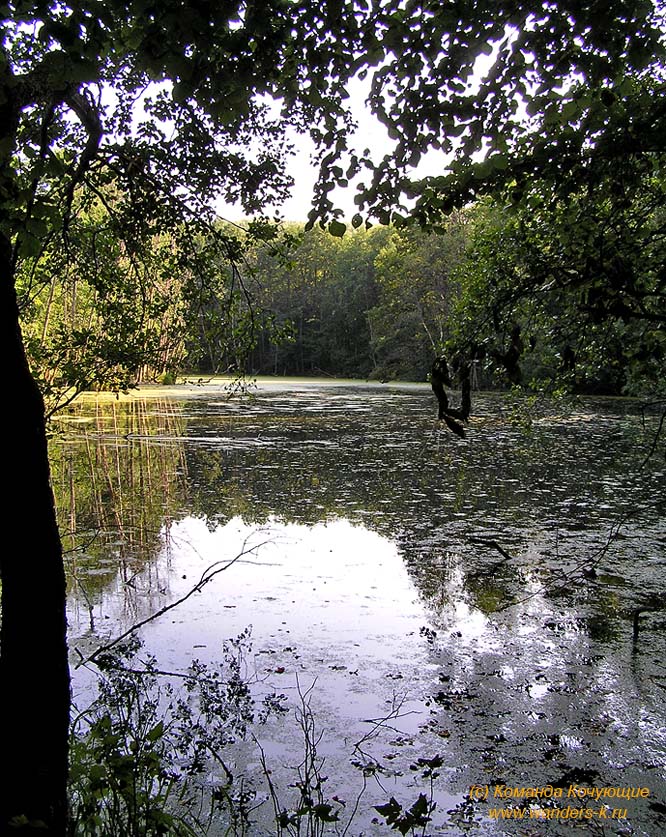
[{"x": 483, "y": 589}]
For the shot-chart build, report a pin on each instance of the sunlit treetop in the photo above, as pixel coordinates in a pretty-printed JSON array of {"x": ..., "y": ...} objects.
[{"x": 197, "y": 99}]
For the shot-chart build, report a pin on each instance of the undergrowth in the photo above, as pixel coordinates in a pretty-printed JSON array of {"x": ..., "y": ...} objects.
[{"x": 151, "y": 756}]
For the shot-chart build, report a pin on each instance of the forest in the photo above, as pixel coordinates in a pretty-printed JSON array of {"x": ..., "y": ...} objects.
[
  {"x": 532, "y": 257},
  {"x": 377, "y": 303}
]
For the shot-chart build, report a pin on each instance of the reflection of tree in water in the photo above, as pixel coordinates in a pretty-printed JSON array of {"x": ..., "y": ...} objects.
[
  {"x": 124, "y": 478},
  {"x": 298, "y": 475},
  {"x": 508, "y": 703},
  {"x": 556, "y": 489},
  {"x": 119, "y": 481}
]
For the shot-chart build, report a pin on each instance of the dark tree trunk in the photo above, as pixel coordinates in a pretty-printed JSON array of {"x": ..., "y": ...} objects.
[
  {"x": 439, "y": 377},
  {"x": 34, "y": 672}
]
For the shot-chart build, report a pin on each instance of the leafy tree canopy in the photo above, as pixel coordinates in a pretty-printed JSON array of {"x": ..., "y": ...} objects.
[
  {"x": 570, "y": 84},
  {"x": 583, "y": 276},
  {"x": 147, "y": 113},
  {"x": 569, "y": 81}
]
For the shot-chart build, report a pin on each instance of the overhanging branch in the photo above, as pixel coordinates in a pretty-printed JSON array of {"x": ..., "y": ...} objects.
[{"x": 86, "y": 111}]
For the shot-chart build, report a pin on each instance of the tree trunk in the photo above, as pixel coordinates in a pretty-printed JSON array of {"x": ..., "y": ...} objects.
[{"x": 34, "y": 672}]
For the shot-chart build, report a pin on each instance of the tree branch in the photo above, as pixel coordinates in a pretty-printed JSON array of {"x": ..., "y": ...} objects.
[
  {"x": 208, "y": 575},
  {"x": 88, "y": 115}
]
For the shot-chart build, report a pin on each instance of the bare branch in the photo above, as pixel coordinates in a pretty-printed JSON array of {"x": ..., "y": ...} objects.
[{"x": 208, "y": 575}]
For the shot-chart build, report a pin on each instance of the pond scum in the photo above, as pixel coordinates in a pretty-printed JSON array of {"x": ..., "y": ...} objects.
[{"x": 526, "y": 580}]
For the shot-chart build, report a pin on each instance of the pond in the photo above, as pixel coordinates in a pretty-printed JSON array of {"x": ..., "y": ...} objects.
[{"x": 460, "y": 614}]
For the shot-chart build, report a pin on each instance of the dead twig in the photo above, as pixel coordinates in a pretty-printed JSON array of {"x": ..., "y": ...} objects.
[
  {"x": 207, "y": 576},
  {"x": 491, "y": 544}
]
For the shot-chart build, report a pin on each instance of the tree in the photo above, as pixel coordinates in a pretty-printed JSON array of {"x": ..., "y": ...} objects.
[
  {"x": 95, "y": 316},
  {"x": 317, "y": 293},
  {"x": 568, "y": 85},
  {"x": 178, "y": 104},
  {"x": 415, "y": 278},
  {"x": 582, "y": 275},
  {"x": 165, "y": 108}
]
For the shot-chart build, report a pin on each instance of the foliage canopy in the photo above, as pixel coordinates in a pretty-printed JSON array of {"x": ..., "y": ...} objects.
[
  {"x": 190, "y": 103},
  {"x": 148, "y": 112},
  {"x": 142, "y": 115}
]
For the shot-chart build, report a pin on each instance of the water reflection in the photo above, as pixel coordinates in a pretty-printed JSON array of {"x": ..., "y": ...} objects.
[
  {"x": 118, "y": 473},
  {"x": 335, "y": 593},
  {"x": 491, "y": 580}
]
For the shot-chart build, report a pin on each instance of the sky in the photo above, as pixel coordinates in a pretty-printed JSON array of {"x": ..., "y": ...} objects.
[{"x": 369, "y": 134}]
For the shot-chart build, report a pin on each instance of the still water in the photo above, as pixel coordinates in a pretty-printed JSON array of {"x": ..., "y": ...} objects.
[{"x": 479, "y": 594}]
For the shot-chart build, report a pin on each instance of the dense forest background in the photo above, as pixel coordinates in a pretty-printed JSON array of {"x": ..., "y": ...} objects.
[{"x": 570, "y": 293}]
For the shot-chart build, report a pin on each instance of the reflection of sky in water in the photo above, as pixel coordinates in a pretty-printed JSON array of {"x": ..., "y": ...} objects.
[
  {"x": 333, "y": 605},
  {"x": 330, "y": 586},
  {"x": 519, "y": 695},
  {"x": 336, "y": 595},
  {"x": 330, "y": 605}
]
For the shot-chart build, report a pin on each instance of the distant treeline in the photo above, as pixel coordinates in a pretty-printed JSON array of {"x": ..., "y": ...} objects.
[
  {"x": 383, "y": 303},
  {"x": 529, "y": 298}
]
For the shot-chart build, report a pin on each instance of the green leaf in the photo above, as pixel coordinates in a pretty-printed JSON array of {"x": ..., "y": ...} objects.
[
  {"x": 420, "y": 808},
  {"x": 156, "y": 732},
  {"x": 570, "y": 111},
  {"x": 337, "y": 228},
  {"x": 31, "y": 246}
]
